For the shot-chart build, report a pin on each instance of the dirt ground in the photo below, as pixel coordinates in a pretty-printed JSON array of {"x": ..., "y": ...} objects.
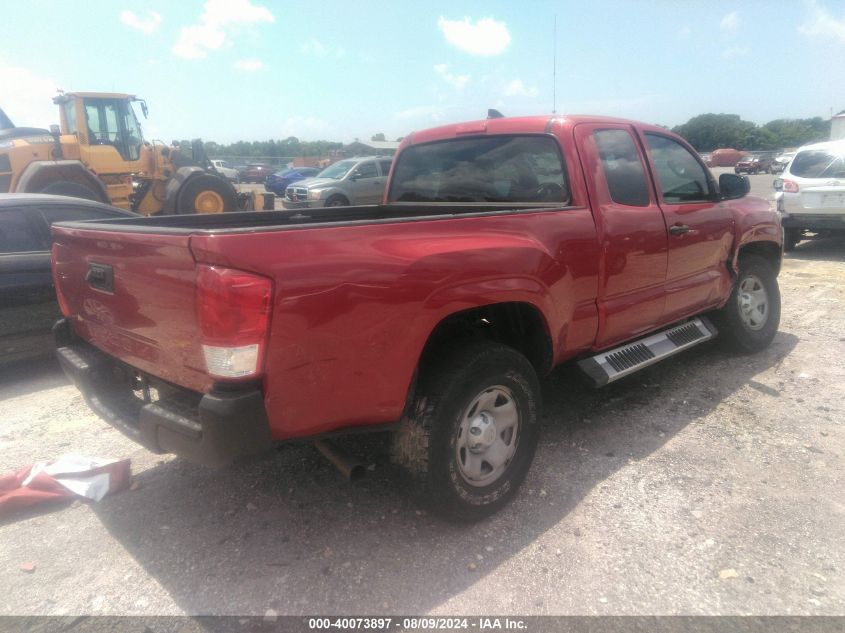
[{"x": 708, "y": 484}]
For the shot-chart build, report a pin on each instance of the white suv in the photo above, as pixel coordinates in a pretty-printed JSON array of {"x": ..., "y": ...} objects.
[
  {"x": 224, "y": 170},
  {"x": 811, "y": 192}
]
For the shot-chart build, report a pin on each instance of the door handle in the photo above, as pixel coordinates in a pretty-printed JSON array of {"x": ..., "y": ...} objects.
[{"x": 679, "y": 229}]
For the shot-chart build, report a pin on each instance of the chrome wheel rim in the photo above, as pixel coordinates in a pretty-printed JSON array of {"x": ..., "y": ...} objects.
[
  {"x": 487, "y": 436},
  {"x": 753, "y": 302}
]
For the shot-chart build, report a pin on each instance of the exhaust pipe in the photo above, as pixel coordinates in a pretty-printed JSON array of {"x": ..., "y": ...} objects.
[{"x": 349, "y": 466}]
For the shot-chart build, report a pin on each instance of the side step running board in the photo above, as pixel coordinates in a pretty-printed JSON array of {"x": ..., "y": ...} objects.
[{"x": 622, "y": 361}]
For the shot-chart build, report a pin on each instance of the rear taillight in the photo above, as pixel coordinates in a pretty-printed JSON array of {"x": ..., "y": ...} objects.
[
  {"x": 789, "y": 186},
  {"x": 233, "y": 310},
  {"x": 63, "y": 305}
]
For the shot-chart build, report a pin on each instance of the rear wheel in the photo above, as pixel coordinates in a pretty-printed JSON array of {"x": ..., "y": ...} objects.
[
  {"x": 471, "y": 433},
  {"x": 72, "y": 189},
  {"x": 206, "y": 194},
  {"x": 749, "y": 320}
]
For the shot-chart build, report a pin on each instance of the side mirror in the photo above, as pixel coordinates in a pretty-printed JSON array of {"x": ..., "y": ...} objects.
[
  {"x": 733, "y": 187},
  {"x": 54, "y": 130}
]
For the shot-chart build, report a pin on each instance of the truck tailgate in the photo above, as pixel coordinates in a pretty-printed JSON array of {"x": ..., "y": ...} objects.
[{"x": 132, "y": 296}]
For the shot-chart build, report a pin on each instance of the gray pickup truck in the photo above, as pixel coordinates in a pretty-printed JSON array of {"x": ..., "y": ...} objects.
[{"x": 352, "y": 181}]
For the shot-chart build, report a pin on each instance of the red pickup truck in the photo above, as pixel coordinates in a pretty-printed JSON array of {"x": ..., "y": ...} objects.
[{"x": 503, "y": 247}]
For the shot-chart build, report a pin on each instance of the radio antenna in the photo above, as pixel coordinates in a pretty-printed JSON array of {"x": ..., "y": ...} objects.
[{"x": 554, "y": 67}]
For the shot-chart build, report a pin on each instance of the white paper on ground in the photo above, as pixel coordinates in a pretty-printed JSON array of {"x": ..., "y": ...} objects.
[{"x": 94, "y": 487}]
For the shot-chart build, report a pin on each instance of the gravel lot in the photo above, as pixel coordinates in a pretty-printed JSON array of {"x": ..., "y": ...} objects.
[{"x": 707, "y": 484}]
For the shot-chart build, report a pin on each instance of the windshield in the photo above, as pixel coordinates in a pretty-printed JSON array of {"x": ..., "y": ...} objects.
[
  {"x": 818, "y": 163},
  {"x": 338, "y": 170},
  {"x": 495, "y": 169}
]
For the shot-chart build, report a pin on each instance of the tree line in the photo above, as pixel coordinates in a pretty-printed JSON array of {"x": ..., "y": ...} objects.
[
  {"x": 272, "y": 148},
  {"x": 707, "y": 132}
]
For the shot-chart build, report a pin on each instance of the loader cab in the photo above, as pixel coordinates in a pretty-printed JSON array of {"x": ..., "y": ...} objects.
[{"x": 107, "y": 125}]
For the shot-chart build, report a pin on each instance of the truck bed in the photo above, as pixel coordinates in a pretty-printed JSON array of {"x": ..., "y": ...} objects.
[
  {"x": 250, "y": 221},
  {"x": 353, "y": 302}
]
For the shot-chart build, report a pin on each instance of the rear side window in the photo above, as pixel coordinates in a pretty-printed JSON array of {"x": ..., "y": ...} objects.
[
  {"x": 623, "y": 168},
  {"x": 20, "y": 233},
  {"x": 487, "y": 169},
  {"x": 385, "y": 167},
  {"x": 681, "y": 177},
  {"x": 816, "y": 163}
]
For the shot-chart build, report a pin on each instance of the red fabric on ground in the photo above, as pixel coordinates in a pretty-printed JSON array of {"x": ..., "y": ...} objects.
[{"x": 42, "y": 488}]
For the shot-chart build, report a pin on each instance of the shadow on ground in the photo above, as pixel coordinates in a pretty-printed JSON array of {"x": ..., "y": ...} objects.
[
  {"x": 25, "y": 377},
  {"x": 820, "y": 249},
  {"x": 287, "y": 534}
]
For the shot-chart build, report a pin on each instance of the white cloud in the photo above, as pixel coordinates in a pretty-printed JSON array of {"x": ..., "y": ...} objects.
[
  {"x": 456, "y": 81},
  {"x": 821, "y": 23},
  {"x": 735, "y": 51},
  {"x": 249, "y": 65},
  {"x": 516, "y": 88},
  {"x": 27, "y": 97},
  {"x": 213, "y": 28},
  {"x": 684, "y": 32},
  {"x": 484, "y": 37},
  {"x": 730, "y": 22},
  {"x": 304, "y": 127},
  {"x": 316, "y": 48},
  {"x": 428, "y": 112},
  {"x": 145, "y": 25}
]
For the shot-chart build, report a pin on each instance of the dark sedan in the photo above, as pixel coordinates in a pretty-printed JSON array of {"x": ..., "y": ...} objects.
[
  {"x": 28, "y": 306},
  {"x": 278, "y": 182},
  {"x": 255, "y": 172},
  {"x": 754, "y": 165}
]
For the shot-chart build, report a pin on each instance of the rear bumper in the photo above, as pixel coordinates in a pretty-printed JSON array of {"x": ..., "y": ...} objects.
[{"x": 213, "y": 429}]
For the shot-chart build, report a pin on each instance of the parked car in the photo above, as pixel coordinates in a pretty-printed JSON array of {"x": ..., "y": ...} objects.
[
  {"x": 255, "y": 172},
  {"x": 811, "y": 192},
  {"x": 754, "y": 165},
  {"x": 504, "y": 247},
  {"x": 227, "y": 171},
  {"x": 279, "y": 181},
  {"x": 28, "y": 305},
  {"x": 353, "y": 181}
]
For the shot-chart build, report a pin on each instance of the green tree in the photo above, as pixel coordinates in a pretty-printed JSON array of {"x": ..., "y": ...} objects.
[{"x": 378, "y": 137}]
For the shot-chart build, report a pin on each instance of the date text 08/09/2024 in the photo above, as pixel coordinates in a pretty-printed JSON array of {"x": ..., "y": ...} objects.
[{"x": 415, "y": 624}]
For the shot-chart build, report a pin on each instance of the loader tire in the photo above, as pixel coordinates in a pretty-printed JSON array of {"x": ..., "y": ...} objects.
[
  {"x": 206, "y": 194},
  {"x": 71, "y": 189}
]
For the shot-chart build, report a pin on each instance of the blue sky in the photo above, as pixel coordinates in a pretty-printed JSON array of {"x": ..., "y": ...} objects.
[{"x": 227, "y": 70}]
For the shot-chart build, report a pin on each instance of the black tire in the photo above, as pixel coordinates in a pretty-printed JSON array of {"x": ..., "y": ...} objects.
[
  {"x": 206, "y": 193},
  {"x": 738, "y": 332},
  {"x": 428, "y": 441},
  {"x": 337, "y": 201},
  {"x": 72, "y": 189},
  {"x": 791, "y": 237}
]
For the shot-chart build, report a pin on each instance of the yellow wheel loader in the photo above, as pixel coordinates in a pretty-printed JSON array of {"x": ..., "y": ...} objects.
[{"x": 99, "y": 153}]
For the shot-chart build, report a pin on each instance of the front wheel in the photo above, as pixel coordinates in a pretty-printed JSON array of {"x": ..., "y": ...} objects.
[
  {"x": 337, "y": 201},
  {"x": 470, "y": 436},
  {"x": 749, "y": 320}
]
